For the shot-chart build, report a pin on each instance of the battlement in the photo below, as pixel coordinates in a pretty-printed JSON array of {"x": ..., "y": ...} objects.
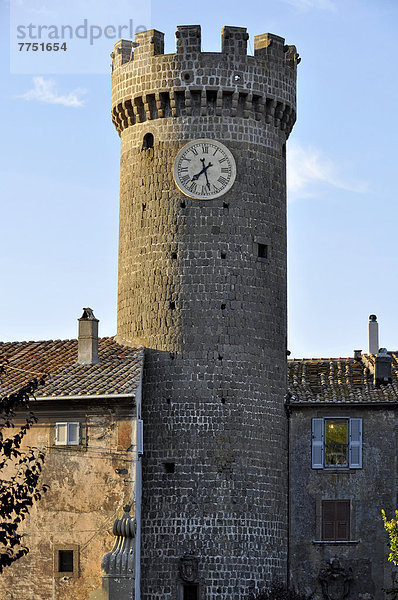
[
  {"x": 148, "y": 85},
  {"x": 233, "y": 43}
]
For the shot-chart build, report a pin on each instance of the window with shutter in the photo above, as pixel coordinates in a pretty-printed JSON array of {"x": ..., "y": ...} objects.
[
  {"x": 336, "y": 520},
  {"x": 336, "y": 443}
]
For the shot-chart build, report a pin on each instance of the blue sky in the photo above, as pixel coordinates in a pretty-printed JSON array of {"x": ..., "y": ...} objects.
[{"x": 59, "y": 168}]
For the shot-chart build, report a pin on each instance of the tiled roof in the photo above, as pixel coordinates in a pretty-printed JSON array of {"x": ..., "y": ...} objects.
[
  {"x": 340, "y": 380},
  {"x": 117, "y": 372}
]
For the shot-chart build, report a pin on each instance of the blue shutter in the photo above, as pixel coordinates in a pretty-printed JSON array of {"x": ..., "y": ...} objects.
[
  {"x": 317, "y": 443},
  {"x": 355, "y": 443},
  {"x": 140, "y": 436}
]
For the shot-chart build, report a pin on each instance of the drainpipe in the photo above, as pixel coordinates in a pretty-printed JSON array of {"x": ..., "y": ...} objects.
[
  {"x": 138, "y": 488},
  {"x": 288, "y": 411}
]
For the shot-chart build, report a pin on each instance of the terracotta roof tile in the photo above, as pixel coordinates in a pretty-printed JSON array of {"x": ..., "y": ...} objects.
[
  {"x": 117, "y": 372},
  {"x": 340, "y": 380}
]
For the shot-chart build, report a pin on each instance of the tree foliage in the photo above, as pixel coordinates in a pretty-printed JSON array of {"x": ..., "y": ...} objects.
[
  {"x": 392, "y": 529},
  {"x": 19, "y": 487},
  {"x": 391, "y": 526}
]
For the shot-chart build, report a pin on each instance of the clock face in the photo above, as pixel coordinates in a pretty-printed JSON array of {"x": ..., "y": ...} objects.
[{"x": 204, "y": 169}]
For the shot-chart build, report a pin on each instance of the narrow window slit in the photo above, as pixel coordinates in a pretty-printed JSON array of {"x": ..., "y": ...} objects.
[
  {"x": 147, "y": 142},
  {"x": 262, "y": 250}
]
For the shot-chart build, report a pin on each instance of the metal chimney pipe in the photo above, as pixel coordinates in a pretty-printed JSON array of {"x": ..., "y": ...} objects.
[{"x": 373, "y": 335}]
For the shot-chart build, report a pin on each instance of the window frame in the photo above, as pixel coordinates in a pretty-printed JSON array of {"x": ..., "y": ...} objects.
[
  {"x": 61, "y": 548},
  {"x": 68, "y": 440},
  {"x": 318, "y": 443},
  {"x": 347, "y": 443}
]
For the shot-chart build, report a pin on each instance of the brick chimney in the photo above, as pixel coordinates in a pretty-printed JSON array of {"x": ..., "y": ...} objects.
[
  {"x": 87, "y": 341},
  {"x": 373, "y": 335}
]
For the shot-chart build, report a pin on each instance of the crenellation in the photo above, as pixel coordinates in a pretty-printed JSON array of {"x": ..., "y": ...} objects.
[
  {"x": 234, "y": 41},
  {"x": 269, "y": 45},
  {"x": 189, "y": 40},
  {"x": 291, "y": 56},
  {"x": 148, "y": 43},
  {"x": 214, "y": 84},
  {"x": 122, "y": 54}
]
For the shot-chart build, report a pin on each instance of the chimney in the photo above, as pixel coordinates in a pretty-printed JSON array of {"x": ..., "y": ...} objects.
[
  {"x": 373, "y": 335},
  {"x": 383, "y": 371},
  {"x": 87, "y": 341}
]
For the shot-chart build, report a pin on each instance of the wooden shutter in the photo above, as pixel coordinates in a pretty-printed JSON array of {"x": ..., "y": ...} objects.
[
  {"x": 342, "y": 520},
  {"x": 336, "y": 520},
  {"x": 355, "y": 443},
  {"x": 317, "y": 443}
]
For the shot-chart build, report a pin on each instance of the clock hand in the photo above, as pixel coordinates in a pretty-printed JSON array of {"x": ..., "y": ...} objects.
[
  {"x": 196, "y": 177},
  {"x": 204, "y": 170}
]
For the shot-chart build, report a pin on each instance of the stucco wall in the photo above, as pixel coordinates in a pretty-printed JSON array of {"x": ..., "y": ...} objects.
[{"x": 86, "y": 494}]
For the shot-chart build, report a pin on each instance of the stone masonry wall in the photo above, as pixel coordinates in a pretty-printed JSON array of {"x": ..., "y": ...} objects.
[{"x": 210, "y": 311}]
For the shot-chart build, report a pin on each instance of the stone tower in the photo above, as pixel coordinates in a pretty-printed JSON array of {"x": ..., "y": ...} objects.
[{"x": 202, "y": 285}]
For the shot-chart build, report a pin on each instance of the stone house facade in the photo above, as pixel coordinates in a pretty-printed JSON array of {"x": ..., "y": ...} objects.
[{"x": 342, "y": 457}]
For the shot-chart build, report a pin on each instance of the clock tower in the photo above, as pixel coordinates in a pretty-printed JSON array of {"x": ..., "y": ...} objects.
[{"x": 202, "y": 285}]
